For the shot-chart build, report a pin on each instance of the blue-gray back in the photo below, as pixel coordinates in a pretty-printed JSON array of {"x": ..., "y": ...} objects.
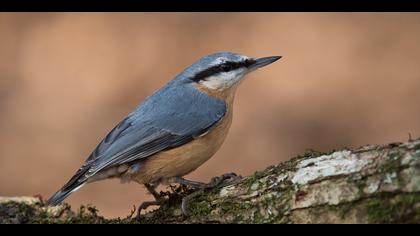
[{"x": 171, "y": 117}]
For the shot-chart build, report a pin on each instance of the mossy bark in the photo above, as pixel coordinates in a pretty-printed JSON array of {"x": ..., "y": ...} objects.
[{"x": 372, "y": 184}]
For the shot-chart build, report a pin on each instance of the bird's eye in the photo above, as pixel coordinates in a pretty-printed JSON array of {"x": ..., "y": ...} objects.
[{"x": 225, "y": 68}]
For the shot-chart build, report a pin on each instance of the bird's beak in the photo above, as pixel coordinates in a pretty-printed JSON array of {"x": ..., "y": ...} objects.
[{"x": 260, "y": 62}]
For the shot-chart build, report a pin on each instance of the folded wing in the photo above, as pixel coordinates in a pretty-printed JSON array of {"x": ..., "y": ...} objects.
[{"x": 166, "y": 120}]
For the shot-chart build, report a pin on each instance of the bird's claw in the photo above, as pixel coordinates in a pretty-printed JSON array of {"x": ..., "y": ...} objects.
[
  {"x": 197, "y": 187},
  {"x": 214, "y": 182},
  {"x": 159, "y": 200},
  {"x": 145, "y": 205},
  {"x": 186, "y": 200}
]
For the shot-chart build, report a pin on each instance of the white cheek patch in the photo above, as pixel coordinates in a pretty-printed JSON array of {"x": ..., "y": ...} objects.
[{"x": 223, "y": 80}]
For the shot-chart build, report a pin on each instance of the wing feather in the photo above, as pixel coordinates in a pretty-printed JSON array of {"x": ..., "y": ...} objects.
[{"x": 156, "y": 125}]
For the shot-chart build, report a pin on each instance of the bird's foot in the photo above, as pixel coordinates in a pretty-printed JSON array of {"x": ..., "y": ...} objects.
[
  {"x": 198, "y": 188},
  {"x": 216, "y": 181},
  {"x": 159, "y": 200},
  {"x": 152, "y": 190},
  {"x": 145, "y": 205},
  {"x": 201, "y": 187}
]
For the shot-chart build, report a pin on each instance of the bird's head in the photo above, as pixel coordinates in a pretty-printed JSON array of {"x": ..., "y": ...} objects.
[{"x": 223, "y": 70}]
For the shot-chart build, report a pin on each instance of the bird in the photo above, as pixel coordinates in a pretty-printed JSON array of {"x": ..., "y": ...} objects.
[{"x": 173, "y": 131}]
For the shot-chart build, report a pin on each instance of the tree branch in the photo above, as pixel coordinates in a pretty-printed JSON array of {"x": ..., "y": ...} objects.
[{"x": 372, "y": 184}]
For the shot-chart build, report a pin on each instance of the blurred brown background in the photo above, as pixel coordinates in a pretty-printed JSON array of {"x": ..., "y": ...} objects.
[{"x": 67, "y": 78}]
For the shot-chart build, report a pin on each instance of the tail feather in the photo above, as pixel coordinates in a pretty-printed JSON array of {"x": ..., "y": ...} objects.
[
  {"x": 76, "y": 182},
  {"x": 62, "y": 194}
]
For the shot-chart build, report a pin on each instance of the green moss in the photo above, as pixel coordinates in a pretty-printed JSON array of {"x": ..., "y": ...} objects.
[
  {"x": 250, "y": 180},
  {"x": 35, "y": 213},
  {"x": 403, "y": 208},
  {"x": 14, "y": 212},
  {"x": 274, "y": 207},
  {"x": 392, "y": 163},
  {"x": 200, "y": 208},
  {"x": 235, "y": 210},
  {"x": 381, "y": 208},
  {"x": 416, "y": 147},
  {"x": 310, "y": 153},
  {"x": 343, "y": 209},
  {"x": 416, "y": 152}
]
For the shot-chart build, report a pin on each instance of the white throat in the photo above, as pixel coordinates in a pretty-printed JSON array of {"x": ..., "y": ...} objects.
[{"x": 223, "y": 80}]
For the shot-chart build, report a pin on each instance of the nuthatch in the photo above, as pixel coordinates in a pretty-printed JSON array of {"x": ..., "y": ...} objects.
[{"x": 173, "y": 131}]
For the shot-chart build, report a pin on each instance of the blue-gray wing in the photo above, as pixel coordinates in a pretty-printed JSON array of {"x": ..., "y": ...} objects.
[{"x": 168, "y": 119}]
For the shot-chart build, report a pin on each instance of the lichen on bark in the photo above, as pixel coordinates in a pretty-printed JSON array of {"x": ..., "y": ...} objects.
[{"x": 371, "y": 184}]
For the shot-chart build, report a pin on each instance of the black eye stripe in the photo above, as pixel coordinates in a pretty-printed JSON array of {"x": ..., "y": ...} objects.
[
  {"x": 248, "y": 62},
  {"x": 225, "y": 67}
]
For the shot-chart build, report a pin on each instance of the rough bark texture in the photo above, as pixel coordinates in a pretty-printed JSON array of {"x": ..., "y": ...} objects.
[{"x": 372, "y": 184}]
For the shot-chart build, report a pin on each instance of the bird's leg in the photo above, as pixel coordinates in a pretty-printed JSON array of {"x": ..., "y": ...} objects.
[
  {"x": 214, "y": 182},
  {"x": 190, "y": 183},
  {"x": 152, "y": 189},
  {"x": 158, "y": 199},
  {"x": 145, "y": 205},
  {"x": 187, "y": 199}
]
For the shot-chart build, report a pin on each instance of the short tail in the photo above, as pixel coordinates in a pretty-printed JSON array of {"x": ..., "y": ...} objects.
[
  {"x": 62, "y": 194},
  {"x": 76, "y": 182}
]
